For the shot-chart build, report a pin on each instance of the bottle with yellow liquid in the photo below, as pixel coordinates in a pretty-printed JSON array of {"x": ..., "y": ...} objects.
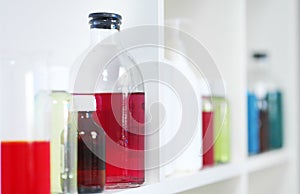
[
  {"x": 222, "y": 126},
  {"x": 63, "y": 173}
]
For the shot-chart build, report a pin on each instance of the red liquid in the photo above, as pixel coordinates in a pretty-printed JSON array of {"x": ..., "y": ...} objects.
[
  {"x": 25, "y": 167},
  {"x": 263, "y": 130},
  {"x": 122, "y": 117},
  {"x": 91, "y": 155},
  {"x": 208, "y": 138}
]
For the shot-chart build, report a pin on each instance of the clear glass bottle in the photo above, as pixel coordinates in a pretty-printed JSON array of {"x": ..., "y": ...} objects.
[
  {"x": 189, "y": 157},
  {"x": 69, "y": 153},
  {"x": 63, "y": 168},
  {"x": 108, "y": 72},
  {"x": 25, "y": 136}
]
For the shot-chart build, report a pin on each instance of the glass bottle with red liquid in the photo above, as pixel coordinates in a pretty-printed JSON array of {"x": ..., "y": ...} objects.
[
  {"x": 91, "y": 145},
  {"x": 111, "y": 75},
  {"x": 25, "y": 132},
  {"x": 207, "y": 127}
]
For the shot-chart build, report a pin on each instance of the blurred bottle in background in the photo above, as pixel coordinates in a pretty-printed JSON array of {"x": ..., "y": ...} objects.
[
  {"x": 208, "y": 138},
  {"x": 221, "y": 124},
  {"x": 253, "y": 124},
  {"x": 269, "y": 102}
]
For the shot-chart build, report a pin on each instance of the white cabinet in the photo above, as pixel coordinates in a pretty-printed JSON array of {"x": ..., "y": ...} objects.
[{"x": 230, "y": 30}]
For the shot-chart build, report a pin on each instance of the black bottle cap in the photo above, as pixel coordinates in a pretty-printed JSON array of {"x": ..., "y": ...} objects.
[
  {"x": 105, "y": 20},
  {"x": 260, "y": 55}
]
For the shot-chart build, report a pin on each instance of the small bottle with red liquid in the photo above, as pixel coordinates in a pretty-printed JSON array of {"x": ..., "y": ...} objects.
[
  {"x": 207, "y": 128},
  {"x": 111, "y": 75},
  {"x": 91, "y": 146},
  {"x": 25, "y": 136}
]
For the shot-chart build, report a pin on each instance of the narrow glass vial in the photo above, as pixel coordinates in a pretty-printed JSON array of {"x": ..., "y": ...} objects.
[
  {"x": 253, "y": 124},
  {"x": 91, "y": 146},
  {"x": 208, "y": 131},
  {"x": 59, "y": 124},
  {"x": 68, "y": 175},
  {"x": 221, "y": 129}
]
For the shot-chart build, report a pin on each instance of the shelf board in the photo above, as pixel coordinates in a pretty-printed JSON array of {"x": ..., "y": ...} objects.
[
  {"x": 185, "y": 182},
  {"x": 266, "y": 160}
]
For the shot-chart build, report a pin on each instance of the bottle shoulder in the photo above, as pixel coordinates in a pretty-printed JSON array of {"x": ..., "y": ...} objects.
[
  {"x": 87, "y": 123},
  {"x": 106, "y": 68}
]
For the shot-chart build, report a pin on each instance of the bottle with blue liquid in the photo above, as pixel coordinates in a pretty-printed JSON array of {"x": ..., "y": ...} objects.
[
  {"x": 253, "y": 124},
  {"x": 265, "y": 91}
]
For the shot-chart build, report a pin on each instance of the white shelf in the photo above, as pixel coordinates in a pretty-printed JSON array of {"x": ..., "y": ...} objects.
[
  {"x": 184, "y": 182},
  {"x": 266, "y": 160}
]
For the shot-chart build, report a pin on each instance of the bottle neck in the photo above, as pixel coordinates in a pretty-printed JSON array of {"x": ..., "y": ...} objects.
[
  {"x": 262, "y": 64},
  {"x": 98, "y": 35}
]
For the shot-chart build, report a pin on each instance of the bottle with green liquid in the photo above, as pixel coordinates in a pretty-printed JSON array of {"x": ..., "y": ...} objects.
[
  {"x": 221, "y": 126},
  {"x": 63, "y": 146},
  {"x": 274, "y": 99}
]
